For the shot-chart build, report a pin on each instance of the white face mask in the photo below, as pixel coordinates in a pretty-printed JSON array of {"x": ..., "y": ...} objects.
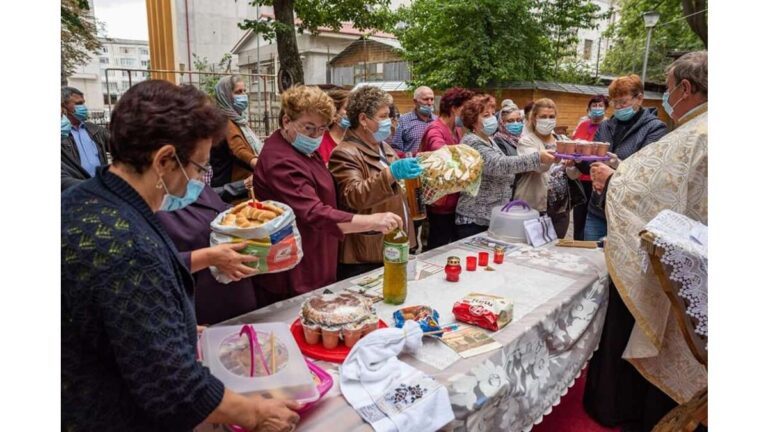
[{"x": 545, "y": 126}]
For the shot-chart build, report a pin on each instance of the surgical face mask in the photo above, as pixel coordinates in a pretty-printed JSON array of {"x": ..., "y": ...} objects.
[
  {"x": 240, "y": 102},
  {"x": 624, "y": 114},
  {"x": 490, "y": 125},
  {"x": 545, "y": 126},
  {"x": 596, "y": 113},
  {"x": 81, "y": 112},
  {"x": 194, "y": 189},
  {"x": 665, "y": 101},
  {"x": 305, "y": 144},
  {"x": 425, "y": 110},
  {"x": 385, "y": 129},
  {"x": 458, "y": 121},
  {"x": 344, "y": 123},
  {"x": 515, "y": 128},
  {"x": 66, "y": 126}
]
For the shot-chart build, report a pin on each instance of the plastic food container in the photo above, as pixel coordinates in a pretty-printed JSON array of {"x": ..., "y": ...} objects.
[
  {"x": 566, "y": 147},
  {"x": 585, "y": 149},
  {"x": 601, "y": 148},
  {"x": 507, "y": 221},
  {"x": 242, "y": 358}
]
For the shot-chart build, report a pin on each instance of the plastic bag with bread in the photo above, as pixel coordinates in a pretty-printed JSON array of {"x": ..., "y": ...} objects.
[{"x": 269, "y": 228}]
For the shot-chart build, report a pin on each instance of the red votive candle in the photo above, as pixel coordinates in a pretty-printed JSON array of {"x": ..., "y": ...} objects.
[
  {"x": 483, "y": 258},
  {"x": 471, "y": 263}
]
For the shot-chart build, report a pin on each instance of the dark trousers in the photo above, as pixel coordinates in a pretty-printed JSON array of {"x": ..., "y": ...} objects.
[
  {"x": 468, "y": 230},
  {"x": 615, "y": 393},
  {"x": 580, "y": 212},
  {"x": 346, "y": 271},
  {"x": 561, "y": 222},
  {"x": 442, "y": 229}
]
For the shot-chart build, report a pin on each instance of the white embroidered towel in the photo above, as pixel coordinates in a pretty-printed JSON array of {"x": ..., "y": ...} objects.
[{"x": 389, "y": 394}]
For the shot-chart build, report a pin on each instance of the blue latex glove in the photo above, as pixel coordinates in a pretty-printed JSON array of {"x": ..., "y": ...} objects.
[{"x": 405, "y": 169}]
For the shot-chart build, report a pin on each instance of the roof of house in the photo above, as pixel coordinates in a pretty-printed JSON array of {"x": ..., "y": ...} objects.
[
  {"x": 387, "y": 86},
  {"x": 389, "y": 42},
  {"x": 347, "y": 28}
]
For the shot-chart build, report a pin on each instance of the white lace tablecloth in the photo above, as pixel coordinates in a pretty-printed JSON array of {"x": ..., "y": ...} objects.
[
  {"x": 685, "y": 244},
  {"x": 560, "y": 297}
]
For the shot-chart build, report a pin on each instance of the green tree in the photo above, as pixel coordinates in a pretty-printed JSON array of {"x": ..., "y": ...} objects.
[
  {"x": 313, "y": 14},
  {"x": 672, "y": 34},
  {"x": 79, "y": 39},
  {"x": 472, "y": 44},
  {"x": 207, "y": 83},
  {"x": 562, "y": 19}
]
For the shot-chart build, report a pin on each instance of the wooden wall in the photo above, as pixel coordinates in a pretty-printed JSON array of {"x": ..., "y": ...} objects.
[
  {"x": 370, "y": 52},
  {"x": 571, "y": 107}
]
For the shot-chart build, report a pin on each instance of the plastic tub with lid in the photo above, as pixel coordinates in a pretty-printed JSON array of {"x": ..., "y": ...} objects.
[
  {"x": 507, "y": 221},
  {"x": 246, "y": 360}
]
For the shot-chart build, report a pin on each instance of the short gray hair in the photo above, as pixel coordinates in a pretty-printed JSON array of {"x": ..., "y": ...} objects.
[
  {"x": 366, "y": 100},
  {"x": 420, "y": 90},
  {"x": 691, "y": 67},
  {"x": 67, "y": 92}
]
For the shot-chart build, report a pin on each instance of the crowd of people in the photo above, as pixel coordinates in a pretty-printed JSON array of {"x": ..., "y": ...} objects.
[{"x": 138, "y": 200}]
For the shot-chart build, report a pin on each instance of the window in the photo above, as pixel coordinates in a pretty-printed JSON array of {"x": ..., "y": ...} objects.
[
  {"x": 145, "y": 63},
  {"x": 125, "y": 74},
  {"x": 126, "y": 50},
  {"x": 127, "y": 62},
  {"x": 143, "y": 51},
  {"x": 587, "y": 49},
  {"x": 104, "y": 49},
  {"x": 104, "y": 60}
]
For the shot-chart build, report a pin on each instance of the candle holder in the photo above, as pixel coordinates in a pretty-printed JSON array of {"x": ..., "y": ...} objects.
[{"x": 453, "y": 269}]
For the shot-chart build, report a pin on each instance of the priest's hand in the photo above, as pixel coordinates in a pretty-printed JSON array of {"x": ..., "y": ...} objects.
[{"x": 600, "y": 173}]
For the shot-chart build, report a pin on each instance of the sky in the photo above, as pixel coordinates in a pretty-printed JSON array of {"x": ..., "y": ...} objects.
[{"x": 124, "y": 19}]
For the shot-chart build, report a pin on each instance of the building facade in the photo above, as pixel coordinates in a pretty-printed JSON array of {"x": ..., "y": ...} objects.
[{"x": 117, "y": 54}]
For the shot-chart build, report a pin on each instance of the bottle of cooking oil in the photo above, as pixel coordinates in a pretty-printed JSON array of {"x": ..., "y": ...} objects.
[{"x": 395, "y": 266}]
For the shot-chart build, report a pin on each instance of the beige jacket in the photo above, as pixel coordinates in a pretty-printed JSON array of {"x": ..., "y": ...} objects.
[{"x": 532, "y": 186}]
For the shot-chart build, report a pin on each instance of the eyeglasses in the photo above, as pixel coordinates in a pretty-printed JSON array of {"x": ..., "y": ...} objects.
[
  {"x": 201, "y": 169},
  {"x": 313, "y": 131},
  {"x": 622, "y": 103}
]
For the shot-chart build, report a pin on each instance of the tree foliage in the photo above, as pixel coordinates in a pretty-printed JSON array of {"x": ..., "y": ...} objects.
[
  {"x": 366, "y": 15},
  {"x": 79, "y": 38},
  {"x": 208, "y": 82},
  {"x": 672, "y": 34},
  {"x": 486, "y": 42}
]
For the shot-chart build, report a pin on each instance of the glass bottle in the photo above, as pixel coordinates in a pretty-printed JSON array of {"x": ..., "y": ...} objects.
[{"x": 396, "y": 248}]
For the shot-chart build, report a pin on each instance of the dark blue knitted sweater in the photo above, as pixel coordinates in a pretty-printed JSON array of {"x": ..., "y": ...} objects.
[{"x": 127, "y": 318}]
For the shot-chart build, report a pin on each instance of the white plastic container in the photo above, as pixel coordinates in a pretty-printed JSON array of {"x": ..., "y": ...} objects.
[
  {"x": 228, "y": 354},
  {"x": 507, "y": 221}
]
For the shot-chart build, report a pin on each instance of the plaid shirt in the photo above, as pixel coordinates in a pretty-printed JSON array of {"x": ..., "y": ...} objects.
[{"x": 409, "y": 132}]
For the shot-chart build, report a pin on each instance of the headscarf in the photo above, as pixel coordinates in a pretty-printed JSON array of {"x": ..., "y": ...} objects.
[{"x": 224, "y": 99}]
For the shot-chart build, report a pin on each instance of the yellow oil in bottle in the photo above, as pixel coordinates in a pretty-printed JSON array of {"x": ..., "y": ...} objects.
[{"x": 396, "y": 247}]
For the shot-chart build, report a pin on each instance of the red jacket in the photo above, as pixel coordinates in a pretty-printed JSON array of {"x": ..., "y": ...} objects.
[
  {"x": 437, "y": 135},
  {"x": 586, "y": 131}
]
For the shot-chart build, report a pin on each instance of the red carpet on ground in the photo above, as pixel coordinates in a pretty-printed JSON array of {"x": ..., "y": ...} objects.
[{"x": 570, "y": 416}]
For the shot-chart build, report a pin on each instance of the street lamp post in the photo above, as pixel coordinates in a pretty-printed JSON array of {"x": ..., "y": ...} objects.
[{"x": 651, "y": 19}]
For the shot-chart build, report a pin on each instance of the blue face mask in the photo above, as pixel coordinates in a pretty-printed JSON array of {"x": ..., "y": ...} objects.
[
  {"x": 81, "y": 112},
  {"x": 624, "y": 114},
  {"x": 458, "y": 122},
  {"x": 514, "y": 128},
  {"x": 66, "y": 126},
  {"x": 344, "y": 123},
  {"x": 385, "y": 129},
  {"x": 425, "y": 110},
  {"x": 490, "y": 125},
  {"x": 240, "y": 102},
  {"x": 665, "y": 101},
  {"x": 194, "y": 189},
  {"x": 596, "y": 113},
  {"x": 306, "y": 144}
]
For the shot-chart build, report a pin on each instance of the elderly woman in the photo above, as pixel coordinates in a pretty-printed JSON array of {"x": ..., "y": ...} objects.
[
  {"x": 236, "y": 155},
  {"x": 367, "y": 172},
  {"x": 128, "y": 330},
  {"x": 510, "y": 128},
  {"x": 586, "y": 131},
  {"x": 631, "y": 128},
  {"x": 499, "y": 170},
  {"x": 546, "y": 189},
  {"x": 446, "y": 130},
  {"x": 338, "y": 128},
  {"x": 292, "y": 172}
]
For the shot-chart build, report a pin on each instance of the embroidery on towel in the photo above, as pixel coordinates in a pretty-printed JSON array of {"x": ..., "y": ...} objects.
[{"x": 404, "y": 395}]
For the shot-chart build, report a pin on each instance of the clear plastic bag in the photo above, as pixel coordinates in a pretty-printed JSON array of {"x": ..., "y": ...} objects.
[{"x": 450, "y": 169}]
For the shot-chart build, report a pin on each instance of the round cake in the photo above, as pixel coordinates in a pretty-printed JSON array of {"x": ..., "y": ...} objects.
[{"x": 333, "y": 317}]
